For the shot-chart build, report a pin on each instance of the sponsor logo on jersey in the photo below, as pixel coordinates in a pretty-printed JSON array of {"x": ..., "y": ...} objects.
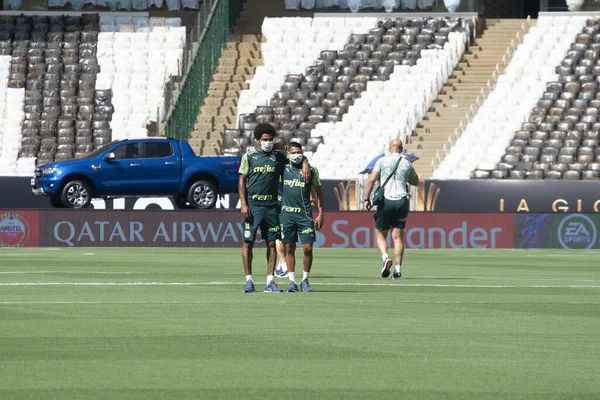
[
  {"x": 264, "y": 169},
  {"x": 294, "y": 183},
  {"x": 262, "y": 197}
]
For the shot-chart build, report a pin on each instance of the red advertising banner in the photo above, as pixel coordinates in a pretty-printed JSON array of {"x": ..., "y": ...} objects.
[
  {"x": 423, "y": 230},
  {"x": 224, "y": 229},
  {"x": 19, "y": 228}
]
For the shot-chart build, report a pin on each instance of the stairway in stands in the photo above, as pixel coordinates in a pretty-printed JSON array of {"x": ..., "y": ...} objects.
[
  {"x": 461, "y": 91},
  {"x": 236, "y": 66}
]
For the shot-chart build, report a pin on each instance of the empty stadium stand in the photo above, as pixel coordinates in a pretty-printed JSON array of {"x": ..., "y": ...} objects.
[
  {"x": 461, "y": 94},
  {"x": 541, "y": 119},
  {"x": 237, "y": 64},
  {"x": 137, "y": 55},
  {"x": 172, "y": 5},
  {"x": 69, "y": 84},
  {"x": 344, "y": 78}
]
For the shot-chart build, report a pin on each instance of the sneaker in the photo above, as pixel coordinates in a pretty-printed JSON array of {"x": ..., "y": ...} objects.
[
  {"x": 280, "y": 273},
  {"x": 385, "y": 269},
  {"x": 272, "y": 287},
  {"x": 293, "y": 287},
  {"x": 249, "y": 288},
  {"x": 397, "y": 275},
  {"x": 305, "y": 286}
]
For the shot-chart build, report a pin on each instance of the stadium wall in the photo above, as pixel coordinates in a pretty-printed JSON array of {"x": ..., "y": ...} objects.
[
  {"x": 121, "y": 228},
  {"x": 447, "y": 196}
]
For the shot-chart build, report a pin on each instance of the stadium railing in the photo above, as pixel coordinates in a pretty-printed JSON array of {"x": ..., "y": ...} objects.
[{"x": 185, "y": 93}]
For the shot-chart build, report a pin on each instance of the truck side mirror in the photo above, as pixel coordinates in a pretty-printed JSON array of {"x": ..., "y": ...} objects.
[{"x": 110, "y": 156}]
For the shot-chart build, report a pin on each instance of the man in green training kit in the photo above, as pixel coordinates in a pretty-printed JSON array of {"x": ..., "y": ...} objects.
[
  {"x": 296, "y": 215},
  {"x": 260, "y": 174},
  {"x": 279, "y": 144},
  {"x": 398, "y": 171},
  {"x": 281, "y": 271}
]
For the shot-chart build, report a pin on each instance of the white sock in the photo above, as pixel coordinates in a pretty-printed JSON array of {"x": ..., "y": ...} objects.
[
  {"x": 283, "y": 266},
  {"x": 384, "y": 257},
  {"x": 305, "y": 275},
  {"x": 269, "y": 279},
  {"x": 249, "y": 278},
  {"x": 398, "y": 266},
  {"x": 292, "y": 276}
]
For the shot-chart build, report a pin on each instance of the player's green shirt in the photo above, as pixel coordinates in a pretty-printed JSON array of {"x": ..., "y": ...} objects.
[
  {"x": 251, "y": 150},
  {"x": 296, "y": 193},
  {"x": 264, "y": 171}
]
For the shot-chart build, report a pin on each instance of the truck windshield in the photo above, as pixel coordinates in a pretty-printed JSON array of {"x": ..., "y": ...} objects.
[{"x": 100, "y": 149}]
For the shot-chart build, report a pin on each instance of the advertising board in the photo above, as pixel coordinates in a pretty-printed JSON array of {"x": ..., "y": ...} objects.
[
  {"x": 224, "y": 229},
  {"x": 508, "y": 196},
  {"x": 557, "y": 231},
  {"x": 16, "y": 194},
  {"x": 19, "y": 228}
]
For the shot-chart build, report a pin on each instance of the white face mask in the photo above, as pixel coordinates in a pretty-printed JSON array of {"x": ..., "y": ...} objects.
[
  {"x": 266, "y": 146},
  {"x": 296, "y": 158}
]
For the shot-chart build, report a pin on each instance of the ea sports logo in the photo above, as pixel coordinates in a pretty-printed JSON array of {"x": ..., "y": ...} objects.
[
  {"x": 14, "y": 230},
  {"x": 577, "y": 232}
]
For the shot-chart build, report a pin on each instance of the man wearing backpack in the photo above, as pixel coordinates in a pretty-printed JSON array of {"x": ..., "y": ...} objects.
[{"x": 392, "y": 203}]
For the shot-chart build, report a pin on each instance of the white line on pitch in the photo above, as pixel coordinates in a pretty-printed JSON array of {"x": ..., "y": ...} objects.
[
  {"x": 175, "y": 302},
  {"x": 324, "y": 284},
  {"x": 493, "y": 278},
  {"x": 78, "y": 272}
]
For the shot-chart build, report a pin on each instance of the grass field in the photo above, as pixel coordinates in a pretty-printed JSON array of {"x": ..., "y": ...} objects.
[{"x": 174, "y": 324}]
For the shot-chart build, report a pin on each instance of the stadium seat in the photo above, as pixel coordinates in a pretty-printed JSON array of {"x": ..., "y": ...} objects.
[
  {"x": 370, "y": 76},
  {"x": 540, "y": 121},
  {"x": 64, "y": 81},
  {"x": 127, "y": 5}
]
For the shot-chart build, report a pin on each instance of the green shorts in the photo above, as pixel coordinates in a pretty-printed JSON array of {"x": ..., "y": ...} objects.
[
  {"x": 293, "y": 225},
  {"x": 264, "y": 217},
  {"x": 392, "y": 213}
]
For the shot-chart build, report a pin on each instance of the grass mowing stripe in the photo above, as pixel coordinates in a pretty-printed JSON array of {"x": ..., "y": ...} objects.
[
  {"x": 316, "y": 283},
  {"x": 175, "y": 302},
  {"x": 170, "y": 272}
]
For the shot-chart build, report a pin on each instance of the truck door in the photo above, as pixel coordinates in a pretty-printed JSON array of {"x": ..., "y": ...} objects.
[
  {"x": 121, "y": 175},
  {"x": 160, "y": 168}
]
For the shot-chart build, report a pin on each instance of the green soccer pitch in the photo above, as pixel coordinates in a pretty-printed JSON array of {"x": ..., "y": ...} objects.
[{"x": 174, "y": 324}]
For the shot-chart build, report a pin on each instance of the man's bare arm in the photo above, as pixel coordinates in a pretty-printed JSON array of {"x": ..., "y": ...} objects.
[
  {"x": 374, "y": 177},
  {"x": 319, "y": 220},
  {"x": 242, "y": 192},
  {"x": 414, "y": 180}
]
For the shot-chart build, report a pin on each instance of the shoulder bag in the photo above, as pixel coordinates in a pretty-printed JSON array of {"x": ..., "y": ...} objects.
[{"x": 378, "y": 195}]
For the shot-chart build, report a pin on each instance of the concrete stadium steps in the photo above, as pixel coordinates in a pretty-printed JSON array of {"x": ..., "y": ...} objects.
[
  {"x": 237, "y": 65},
  {"x": 451, "y": 106}
]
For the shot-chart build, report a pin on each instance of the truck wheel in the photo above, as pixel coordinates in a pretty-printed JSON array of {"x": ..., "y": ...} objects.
[
  {"x": 76, "y": 194},
  {"x": 203, "y": 195},
  {"x": 181, "y": 202},
  {"x": 55, "y": 202}
]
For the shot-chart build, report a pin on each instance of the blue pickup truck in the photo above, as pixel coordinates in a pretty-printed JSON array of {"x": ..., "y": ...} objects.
[{"x": 141, "y": 168}]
